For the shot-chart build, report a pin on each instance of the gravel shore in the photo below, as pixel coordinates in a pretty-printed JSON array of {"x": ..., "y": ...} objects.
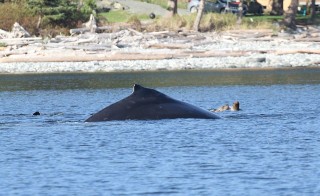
[
  {"x": 272, "y": 61},
  {"x": 212, "y": 51}
]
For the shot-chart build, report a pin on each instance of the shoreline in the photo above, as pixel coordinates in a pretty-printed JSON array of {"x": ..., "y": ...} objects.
[
  {"x": 66, "y": 71},
  {"x": 225, "y": 70},
  {"x": 128, "y": 50},
  {"x": 211, "y": 63}
]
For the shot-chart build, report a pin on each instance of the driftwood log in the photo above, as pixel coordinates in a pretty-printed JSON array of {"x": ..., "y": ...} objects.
[
  {"x": 117, "y": 56},
  {"x": 297, "y": 51},
  {"x": 21, "y": 41}
]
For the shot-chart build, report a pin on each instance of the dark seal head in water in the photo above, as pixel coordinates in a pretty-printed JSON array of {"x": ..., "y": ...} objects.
[
  {"x": 36, "y": 113},
  {"x": 149, "y": 104}
]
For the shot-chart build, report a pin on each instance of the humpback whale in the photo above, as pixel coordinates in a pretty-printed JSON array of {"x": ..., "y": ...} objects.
[{"x": 149, "y": 104}]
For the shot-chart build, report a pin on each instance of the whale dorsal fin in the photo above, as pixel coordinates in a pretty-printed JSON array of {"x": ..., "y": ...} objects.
[{"x": 136, "y": 87}]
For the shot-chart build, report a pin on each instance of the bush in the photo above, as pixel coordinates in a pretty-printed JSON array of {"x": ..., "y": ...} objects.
[
  {"x": 11, "y": 13},
  {"x": 134, "y": 22}
]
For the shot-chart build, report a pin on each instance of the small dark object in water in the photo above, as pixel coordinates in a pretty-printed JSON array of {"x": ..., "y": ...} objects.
[
  {"x": 152, "y": 15},
  {"x": 36, "y": 113}
]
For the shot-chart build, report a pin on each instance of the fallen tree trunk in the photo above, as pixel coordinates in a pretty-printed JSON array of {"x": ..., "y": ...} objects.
[
  {"x": 297, "y": 51},
  {"x": 118, "y": 56},
  {"x": 21, "y": 41},
  {"x": 9, "y": 53},
  {"x": 309, "y": 39},
  {"x": 169, "y": 46}
]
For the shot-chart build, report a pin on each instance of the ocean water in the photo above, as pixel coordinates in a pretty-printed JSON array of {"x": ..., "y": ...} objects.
[{"x": 270, "y": 147}]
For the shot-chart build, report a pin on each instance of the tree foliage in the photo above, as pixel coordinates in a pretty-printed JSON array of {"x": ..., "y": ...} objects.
[
  {"x": 88, "y": 7},
  {"x": 65, "y": 13},
  {"x": 54, "y": 12}
]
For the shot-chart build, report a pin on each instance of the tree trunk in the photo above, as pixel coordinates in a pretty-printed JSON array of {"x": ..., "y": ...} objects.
[
  {"x": 240, "y": 12},
  {"x": 313, "y": 10},
  {"x": 172, "y": 7},
  {"x": 277, "y": 7},
  {"x": 196, "y": 24},
  {"x": 290, "y": 15}
]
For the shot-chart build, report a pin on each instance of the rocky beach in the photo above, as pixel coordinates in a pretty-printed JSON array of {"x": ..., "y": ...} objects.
[
  {"x": 105, "y": 49},
  {"x": 129, "y": 50}
]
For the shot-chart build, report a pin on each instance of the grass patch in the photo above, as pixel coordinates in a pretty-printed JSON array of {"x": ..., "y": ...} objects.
[
  {"x": 301, "y": 19},
  {"x": 121, "y": 16},
  {"x": 217, "y": 22},
  {"x": 306, "y": 20},
  {"x": 256, "y": 23},
  {"x": 175, "y": 23},
  {"x": 210, "y": 22}
]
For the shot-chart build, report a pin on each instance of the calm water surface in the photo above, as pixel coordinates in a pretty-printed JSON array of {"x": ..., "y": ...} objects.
[{"x": 270, "y": 147}]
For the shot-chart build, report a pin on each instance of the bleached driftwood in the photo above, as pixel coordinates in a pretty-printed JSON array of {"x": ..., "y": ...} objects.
[
  {"x": 85, "y": 30},
  {"x": 308, "y": 39},
  {"x": 21, "y": 41},
  {"x": 169, "y": 46},
  {"x": 135, "y": 32},
  {"x": 4, "y": 34},
  {"x": 297, "y": 51},
  {"x": 159, "y": 33},
  {"x": 118, "y": 56},
  {"x": 18, "y": 31},
  {"x": 9, "y": 53}
]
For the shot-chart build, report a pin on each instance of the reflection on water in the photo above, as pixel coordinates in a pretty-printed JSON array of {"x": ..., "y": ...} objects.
[{"x": 161, "y": 78}]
